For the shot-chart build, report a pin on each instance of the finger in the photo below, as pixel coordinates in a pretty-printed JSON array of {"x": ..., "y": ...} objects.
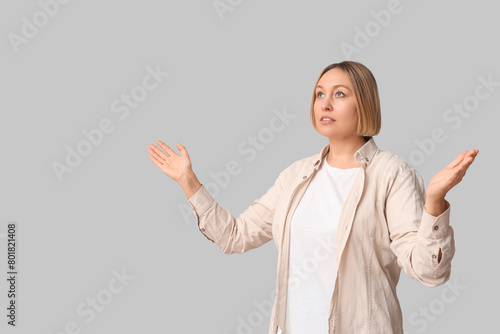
[
  {"x": 166, "y": 148},
  {"x": 162, "y": 154},
  {"x": 458, "y": 160},
  {"x": 462, "y": 168},
  {"x": 156, "y": 161},
  {"x": 469, "y": 158},
  {"x": 153, "y": 153},
  {"x": 182, "y": 149}
]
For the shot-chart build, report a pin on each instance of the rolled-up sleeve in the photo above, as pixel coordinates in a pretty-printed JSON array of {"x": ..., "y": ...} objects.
[
  {"x": 423, "y": 244},
  {"x": 251, "y": 229}
]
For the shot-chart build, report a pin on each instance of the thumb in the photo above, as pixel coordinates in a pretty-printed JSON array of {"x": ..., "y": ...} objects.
[{"x": 181, "y": 148}]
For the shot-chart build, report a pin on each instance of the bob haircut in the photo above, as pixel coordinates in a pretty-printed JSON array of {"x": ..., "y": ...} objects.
[{"x": 365, "y": 90}]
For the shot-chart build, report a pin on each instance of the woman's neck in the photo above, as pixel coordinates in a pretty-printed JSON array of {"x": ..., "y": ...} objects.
[{"x": 341, "y": 153}]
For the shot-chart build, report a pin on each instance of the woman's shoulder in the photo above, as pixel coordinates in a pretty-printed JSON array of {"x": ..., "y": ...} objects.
[{"x": 393, "y": 164}]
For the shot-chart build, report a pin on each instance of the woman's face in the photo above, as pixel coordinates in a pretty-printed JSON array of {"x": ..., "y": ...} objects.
[{"x": 335, "y": 99}]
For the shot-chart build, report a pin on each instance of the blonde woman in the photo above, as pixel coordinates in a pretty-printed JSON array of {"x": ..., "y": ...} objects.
[{"x": 345, "y": 220}]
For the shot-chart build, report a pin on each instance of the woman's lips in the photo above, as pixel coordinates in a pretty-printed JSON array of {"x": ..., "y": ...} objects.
[{"x": 327, "y": 121}]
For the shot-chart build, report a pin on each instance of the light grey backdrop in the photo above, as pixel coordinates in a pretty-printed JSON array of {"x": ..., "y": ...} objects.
[{"x": 223, "y": 69}]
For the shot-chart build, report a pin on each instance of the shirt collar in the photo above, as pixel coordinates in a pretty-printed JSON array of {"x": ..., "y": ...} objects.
[{"x": 364, "y": 155}]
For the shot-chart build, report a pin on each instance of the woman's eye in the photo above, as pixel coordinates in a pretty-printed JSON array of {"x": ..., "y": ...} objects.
[{"x": 317, "y": 94}]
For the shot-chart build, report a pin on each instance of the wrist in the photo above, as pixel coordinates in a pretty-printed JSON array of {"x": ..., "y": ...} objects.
[
  {"x": 186, "y": 178},
  {"x": 434, "y": 194},
  {"x": 435, "y": 206},
  {"x": 189, "y": 183}
]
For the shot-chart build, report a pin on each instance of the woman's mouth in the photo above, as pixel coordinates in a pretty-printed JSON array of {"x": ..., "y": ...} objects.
[{"x": 326, "y": 120}]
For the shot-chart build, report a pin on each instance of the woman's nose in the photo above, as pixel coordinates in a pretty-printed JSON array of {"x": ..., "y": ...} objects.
[{"x": 327, "y": 105}]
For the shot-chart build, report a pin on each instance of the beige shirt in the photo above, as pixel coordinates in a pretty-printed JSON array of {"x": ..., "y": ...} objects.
[{"x": 382, "y": 228}]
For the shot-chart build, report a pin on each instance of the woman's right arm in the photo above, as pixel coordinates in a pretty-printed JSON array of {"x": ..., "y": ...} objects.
[{"x": 251, "y": 229}]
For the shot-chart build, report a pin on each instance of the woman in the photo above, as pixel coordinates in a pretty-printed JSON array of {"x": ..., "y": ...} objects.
[{"x": 345, "y": 221}]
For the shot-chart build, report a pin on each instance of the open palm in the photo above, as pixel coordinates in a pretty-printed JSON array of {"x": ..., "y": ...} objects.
[
  {"x": 174, "y": 165},
  {"x": 451, "y": 175}
]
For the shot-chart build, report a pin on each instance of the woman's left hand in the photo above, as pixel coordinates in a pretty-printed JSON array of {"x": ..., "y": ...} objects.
[{"x": 451, "y": 175}]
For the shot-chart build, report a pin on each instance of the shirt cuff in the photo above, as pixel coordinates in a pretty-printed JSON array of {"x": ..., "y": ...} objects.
[
  {"x": 433, "y": 227},
  {"x": 201, "y": 201}
]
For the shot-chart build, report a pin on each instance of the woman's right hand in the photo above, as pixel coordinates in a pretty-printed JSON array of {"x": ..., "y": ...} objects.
[{"x": 178, "y": 167}]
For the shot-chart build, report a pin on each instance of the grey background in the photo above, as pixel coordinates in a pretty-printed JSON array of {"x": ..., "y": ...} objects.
[{"x": 226, "y": 75}]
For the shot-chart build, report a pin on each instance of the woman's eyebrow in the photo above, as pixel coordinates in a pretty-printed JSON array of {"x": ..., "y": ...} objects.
[{"x": 319, "y": 86}]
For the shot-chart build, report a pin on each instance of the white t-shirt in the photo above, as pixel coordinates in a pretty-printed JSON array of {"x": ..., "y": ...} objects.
[{"x": 313, "y": 234}]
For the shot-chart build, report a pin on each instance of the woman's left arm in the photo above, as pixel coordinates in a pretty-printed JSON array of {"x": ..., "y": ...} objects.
[
  {"x": 442, "y": 182},
  {"x": 424, "y": 246}
]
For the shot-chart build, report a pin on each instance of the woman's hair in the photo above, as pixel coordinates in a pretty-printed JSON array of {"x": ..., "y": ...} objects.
[{"x": 366, "y": 92}]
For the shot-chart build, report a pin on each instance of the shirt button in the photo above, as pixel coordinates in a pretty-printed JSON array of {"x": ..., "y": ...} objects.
[
  {"x": 203, "y": 230},
  {"x": 436, "y": 228},
  {"x": 304, "y": 177},
  {"x": 433, "y": 256}
]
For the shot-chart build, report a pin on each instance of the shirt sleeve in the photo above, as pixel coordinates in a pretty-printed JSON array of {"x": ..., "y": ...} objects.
[
  {"x": 251, "y": 229},
  {"x": 418, "y": 238}
]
